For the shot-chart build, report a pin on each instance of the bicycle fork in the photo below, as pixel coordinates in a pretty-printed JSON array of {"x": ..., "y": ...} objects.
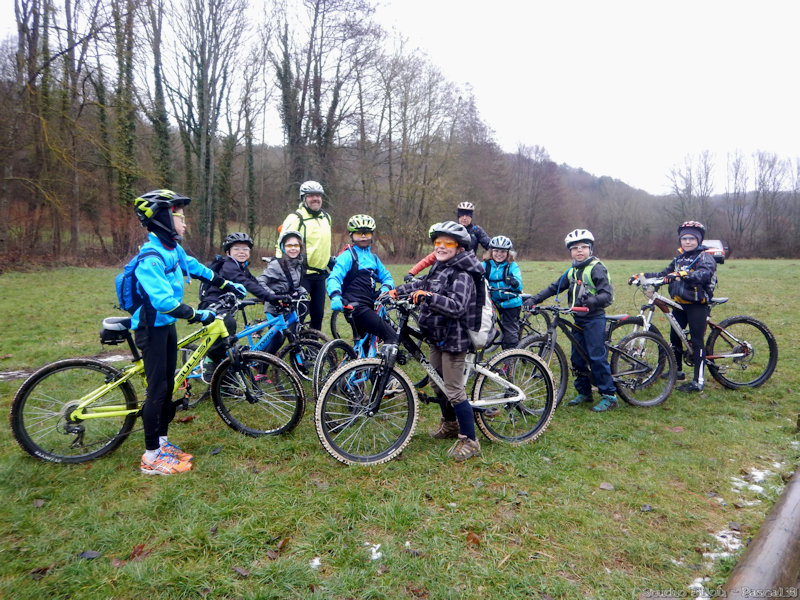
[{"x": 388, "y": 359}]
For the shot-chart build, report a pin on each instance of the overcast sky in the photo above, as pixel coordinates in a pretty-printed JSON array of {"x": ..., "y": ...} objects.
[
  {"x": 621, "y": 88},
  {"x": 624, "y": 88}
]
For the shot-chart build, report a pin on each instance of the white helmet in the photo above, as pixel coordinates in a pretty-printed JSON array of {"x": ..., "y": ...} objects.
[
  {"x": 311, "y": 187},
  {"x": 500, "y": 242},
  {"x": 466, "y": 206},
  {"x": 578, "y": 235}
]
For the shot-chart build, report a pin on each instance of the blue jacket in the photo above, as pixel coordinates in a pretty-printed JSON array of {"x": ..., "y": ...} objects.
[
  {"x": 358, "y": 288},
  {"x": 505, "y": 281},
  {"x": 162, "y": 280}
]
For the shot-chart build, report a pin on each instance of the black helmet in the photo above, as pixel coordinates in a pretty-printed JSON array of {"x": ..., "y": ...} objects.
[
  {"x": 455, "y": 230},
  {"x": 148, "y": 205},
  {"x": 237, "y": 238}
]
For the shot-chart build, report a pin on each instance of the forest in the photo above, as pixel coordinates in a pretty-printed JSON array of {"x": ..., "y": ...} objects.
[{"x": 103, "y": 100}]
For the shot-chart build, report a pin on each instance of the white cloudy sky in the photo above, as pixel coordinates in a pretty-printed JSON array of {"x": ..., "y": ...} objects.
[
  {"x": 621, "y": 88},
  {"x": 624, "y": 88}
]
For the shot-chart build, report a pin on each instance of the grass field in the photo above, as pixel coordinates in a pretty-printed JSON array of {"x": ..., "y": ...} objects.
[{"x": 602, "y": 506}]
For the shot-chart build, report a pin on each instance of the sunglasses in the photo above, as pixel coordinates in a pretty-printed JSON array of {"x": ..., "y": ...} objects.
[
  {"x": 291, "y": 245},
  {"x": 579, "y": 247},
  {"x": 366, "y": 234},
  {"x": 445, "y": 243},
  {"x": 180, "y": 216}
]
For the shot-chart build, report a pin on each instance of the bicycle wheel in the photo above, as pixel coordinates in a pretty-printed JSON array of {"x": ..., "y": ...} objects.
[
  {"x": 741, "y": 352},
  {"x": 347, "y": 430},
  {"x": 40, "y": 412},
  {"x": 195, "y": 388},
  {"x": 557, "y": 363},
  {"x": 338, "y": 322},
  {"x": 261, "y": 396},
  {"x": 330, "y": 357},
  {"x": 518, "y": 421},
  {"x": 308, "y": 333},
  {"x": 533, "y": 323},
  {"x": 643, "y": 367},
  {"x": 619, "y": 329},
  {"x": 300, "y": 356}
]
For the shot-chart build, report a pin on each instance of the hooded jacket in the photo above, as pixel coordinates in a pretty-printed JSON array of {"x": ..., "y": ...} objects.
[
  {"x": 443, "y": 319},
  {"x": 274, "y": 278},
  {"x": 700, "y": 279},
  {"x": 315, "y": 228}
]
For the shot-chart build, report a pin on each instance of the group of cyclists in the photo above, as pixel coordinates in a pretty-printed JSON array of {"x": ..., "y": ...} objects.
[{"x": 446, "y": 297}]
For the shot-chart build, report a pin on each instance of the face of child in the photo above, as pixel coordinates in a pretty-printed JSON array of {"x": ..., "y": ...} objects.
[
  {"x": 580, "y": 251},
  {"x": 688, "y": 242},
  {"x": 179, "y": 220},
  {"x": 499, "y": 255},
  {"x": 362, "y": 238},
  {"x": 445, "y": 248},
  {"x": 240, "y": 252},
  {"x": 291, "y": 247}
]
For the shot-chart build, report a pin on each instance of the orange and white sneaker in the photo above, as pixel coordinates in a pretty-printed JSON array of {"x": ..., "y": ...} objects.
[
  {"x": 173, "y": 450},
  {"x": 164, "y": 464}
]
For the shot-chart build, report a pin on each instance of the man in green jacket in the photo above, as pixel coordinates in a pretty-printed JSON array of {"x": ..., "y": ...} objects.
[{"x": 315, "y": 226}]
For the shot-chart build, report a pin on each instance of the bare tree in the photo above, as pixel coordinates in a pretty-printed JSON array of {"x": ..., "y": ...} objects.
[
  {"x": 770, "y": 177},
  {"x": 692, "y": 186},
  {"x": 738, "y": 208}
]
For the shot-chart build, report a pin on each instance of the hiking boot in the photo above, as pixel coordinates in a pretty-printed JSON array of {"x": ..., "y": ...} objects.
[
  {"x": 164, "y": 464},
  {"x": 679, "y": 376},
  {"x": 464, "y": 448},
  {"x": 607, "y": 402},
  {"x": 580, "y": 399},
  {"x": 692, "y": 386},
  {"x": 176, "y": 452},
  {"x": 446, "y": 429}
]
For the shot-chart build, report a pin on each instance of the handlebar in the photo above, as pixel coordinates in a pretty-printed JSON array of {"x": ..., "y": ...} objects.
[
  {"x": 559, "y": 309},
  {"x": 649, "y": 281}
]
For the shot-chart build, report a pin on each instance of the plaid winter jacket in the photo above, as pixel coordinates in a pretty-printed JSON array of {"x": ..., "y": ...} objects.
[{"x": 444, "y": 318}]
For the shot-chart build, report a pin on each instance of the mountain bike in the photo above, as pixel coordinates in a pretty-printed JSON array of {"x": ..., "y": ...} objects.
[
  {"x": 642, "y": 364},
  {"x": 79, "y": 409},
  {"x": 530, "y": 322},
  {"x": 740, "y": 351},
  {"x": 300, "y": 350},
  {"x": 367, "y": 409}
]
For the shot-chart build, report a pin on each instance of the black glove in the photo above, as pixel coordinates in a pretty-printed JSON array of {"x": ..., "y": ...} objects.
[
  {"x": 589, "y": 301},
  {"x": 408, "y": 278},
  {"x": 331, "y": 262},
  {"x": 206, "y": 317},
  {"x": 536, "y": 299},
  {"x": 283, "y": 298},
  {"x": 270, "y": 296},
  {"x": 511, "y": 282}
]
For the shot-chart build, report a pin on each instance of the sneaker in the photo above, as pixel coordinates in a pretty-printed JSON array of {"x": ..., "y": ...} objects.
[
  {"x": 607, "y": 402},
  {"x": 446, "y": 429},
  {"x": 176, "y": 452},
  {"x": 580, "y": 399},
  {"x": 164, "y": 464},
  {"x": 464, "y": 448},
  {"x": 692, "y": 386},
  {"x": 679, "y": 376},
  {"x": 209, "y": 366}
]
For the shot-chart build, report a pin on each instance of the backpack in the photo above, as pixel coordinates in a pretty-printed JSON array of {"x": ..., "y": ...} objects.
[
  {"x": 215, "y": 265},
  {"x": 129, "y": 296},
  {"x": 484, "y": 329}
]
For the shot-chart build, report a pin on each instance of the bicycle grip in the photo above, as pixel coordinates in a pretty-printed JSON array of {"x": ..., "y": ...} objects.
[{"x": 581, "y": 309}]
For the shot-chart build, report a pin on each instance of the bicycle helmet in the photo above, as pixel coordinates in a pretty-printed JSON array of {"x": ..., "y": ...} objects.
[
  {"x": 695, "y": 228},
  {"x": 287, "y": 234},
  {"x": 579, "y": 235},
  {"x": 237, "y": 238},
  {"x": 154, "y": 211},
  {"x": 432, "y": 228},
  {"x": 500, "y": 242},
  {"x": 310, "y": 187},
  {"x": 466, "y": 206},
  {"x": 455, "y": 230},
  {"x": 360, "y": 223}
]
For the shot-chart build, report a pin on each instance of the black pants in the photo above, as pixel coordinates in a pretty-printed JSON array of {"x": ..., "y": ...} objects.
[
  {"x": 159, "y": 346},
  {"x": 509, "y": 323},
  {"x": 368, "y": 321},
  {"x": 693, "y": 315},
  {"x": 315, "y": 285}
]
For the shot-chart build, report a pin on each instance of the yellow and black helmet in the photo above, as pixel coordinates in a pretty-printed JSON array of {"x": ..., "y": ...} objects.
[
  {"x": 147, "y": 205},
  {"x": 360, "y": 223}
]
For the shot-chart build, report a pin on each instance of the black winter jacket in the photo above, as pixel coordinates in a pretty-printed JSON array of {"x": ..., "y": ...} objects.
[
  {"x": 444, "y": 318},
  {"x": 233, "y": 270},
  {"x": 700, "y": 280}
]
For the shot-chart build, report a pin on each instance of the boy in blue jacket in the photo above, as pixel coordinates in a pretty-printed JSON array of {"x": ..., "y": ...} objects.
[
  {"x": 161, "y": 278},
  {"x": 354, "y": 279}
]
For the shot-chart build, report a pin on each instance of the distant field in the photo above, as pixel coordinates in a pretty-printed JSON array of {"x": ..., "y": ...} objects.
[{"x": 519, "y": 522}]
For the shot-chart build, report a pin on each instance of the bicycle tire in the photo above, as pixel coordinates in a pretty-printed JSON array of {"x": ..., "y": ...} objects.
[
  {"x": 40, "y": 408},
  {"x": 196, "y": 386},
  {"x": 263, "y": 397},
  {"x": 348, "y": 432},
  {"x": 619, "y": 329},
  {"x": 533, "y": 323},
  {"x": 761, "y": 360},
  {"x": 301, "y": 356},
  {"x": 331, "y": 356},
  {"x": 334, "y": 324},
  {"x": 309, "y": 333},
  {"x": 638, "y": 365},
  {"x": 558, "y": 362},
  {"x": 523, "y": 421}
]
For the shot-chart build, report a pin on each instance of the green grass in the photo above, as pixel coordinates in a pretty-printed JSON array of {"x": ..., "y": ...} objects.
[{"x": 519, "y": 522}]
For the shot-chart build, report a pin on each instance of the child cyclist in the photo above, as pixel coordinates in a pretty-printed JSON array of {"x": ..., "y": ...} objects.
[
  {"x": 692, "y": 277},
  {"x": 587, "y": 284},
  {"x": 505, "y": 281},
  {"x": 354, "y": 279},
  {"x": 281, "y": 278},
  {"x": 447, "y": 296},
  {"x": 160, "y": 276}
]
